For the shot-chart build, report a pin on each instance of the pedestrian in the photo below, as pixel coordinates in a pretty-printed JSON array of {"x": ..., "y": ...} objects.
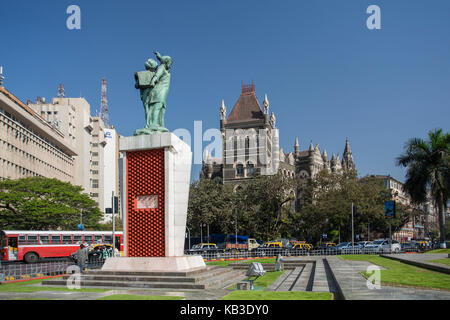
[
  {"x": 82, "y": 257},
  {"x": 105, "y": 253}
]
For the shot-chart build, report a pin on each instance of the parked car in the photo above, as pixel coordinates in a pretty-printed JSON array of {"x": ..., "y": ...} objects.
[
  {"x": 382, "y": 246},
  {"x": 346, "y": 248},
  {"x": 362, "y": 244},
  {"x": 271, "y": 248},
  {"x": 299, "y": 249},
  {"x": 409, "y": 247},
  {"x": 208, "y": 250}
]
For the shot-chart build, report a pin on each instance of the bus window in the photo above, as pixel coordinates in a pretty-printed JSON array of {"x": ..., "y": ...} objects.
[
  {"x": 22, "y": 240},
  {"x": 12, "y": 241},
  {"x": 117, "y": 245},
  {"x": 44, "y": 240},
  {"x": 88, "y": 239},
  {"x": 98, "y": 239},
  {"x": 77, "y": 239},
  {"x": 32, "y": 239},
  {"x": 56, "y": 239},
  {"x": 67, "y": 239},
  {"x": 108, "y": 239}
]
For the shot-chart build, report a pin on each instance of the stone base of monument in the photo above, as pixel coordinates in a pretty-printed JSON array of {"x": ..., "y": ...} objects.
[
  {"x": 211, "y": 277},
  {"x": 149, "y": 264}
]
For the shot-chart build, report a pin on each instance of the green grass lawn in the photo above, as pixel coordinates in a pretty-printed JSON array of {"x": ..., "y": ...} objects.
[
  {"x": 439, "y": 251},
  {"x": 277, "y": 295},
  {"x": 138, "y": 297},
  {"x": 25, "y": 287},
  {"x": 399, "y": 273},
  {"x": 445, "y": 261}
]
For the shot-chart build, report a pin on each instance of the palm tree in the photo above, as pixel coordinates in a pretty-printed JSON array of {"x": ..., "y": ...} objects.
[{"x": 428, "y": 164}]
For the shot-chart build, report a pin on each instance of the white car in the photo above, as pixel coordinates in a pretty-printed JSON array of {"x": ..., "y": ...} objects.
[{"x": 382, "y": 246}]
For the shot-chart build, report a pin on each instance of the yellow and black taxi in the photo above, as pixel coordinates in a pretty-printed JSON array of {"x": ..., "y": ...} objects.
[{"x": 270, "y": 248}]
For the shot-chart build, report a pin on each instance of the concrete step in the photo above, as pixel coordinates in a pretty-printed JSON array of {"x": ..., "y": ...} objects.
[
  {"x": 130, "y": 284},
  {"x": 224, "y": 280},
  {"x": 305, "y": 279},
  {"x": 155, "y": 273},
  {"x": 323, "y": 278},
  {"x": 216, "y": 277},
  {"x": 112, "y": 276}
]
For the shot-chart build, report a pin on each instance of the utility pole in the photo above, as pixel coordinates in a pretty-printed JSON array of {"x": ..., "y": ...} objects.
[
  {"x": 189, "y": 233},
  {"x": 235, "y": 211},
  {"x": 113, "y": 223},
  {"x": 353, "y": 236}
]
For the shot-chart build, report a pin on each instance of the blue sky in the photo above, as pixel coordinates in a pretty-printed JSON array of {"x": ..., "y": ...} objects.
[{"x": 327, "y": 76}]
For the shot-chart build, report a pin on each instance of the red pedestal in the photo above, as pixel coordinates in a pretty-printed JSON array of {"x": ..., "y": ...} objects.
[{"x": 145, "y": 226}]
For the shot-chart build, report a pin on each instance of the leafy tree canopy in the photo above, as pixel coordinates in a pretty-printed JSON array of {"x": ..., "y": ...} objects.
[{"x": 38, "y": 203}]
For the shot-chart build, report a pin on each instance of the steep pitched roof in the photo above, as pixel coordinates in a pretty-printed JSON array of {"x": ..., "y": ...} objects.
[{"x": 247, "y": 107}]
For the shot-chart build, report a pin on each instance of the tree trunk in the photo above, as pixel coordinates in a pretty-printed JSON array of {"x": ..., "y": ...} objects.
[{"x": 441, "y": 222}]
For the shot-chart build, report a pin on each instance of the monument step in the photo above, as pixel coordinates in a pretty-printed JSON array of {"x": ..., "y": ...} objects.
[
  {"x": 224, "y": 280},
  {"x": 216, "y": 277},
  {"x": 167, "y": 277},
  {"x": 154, "y": 273},
  {"x": 129, "y": 284}
]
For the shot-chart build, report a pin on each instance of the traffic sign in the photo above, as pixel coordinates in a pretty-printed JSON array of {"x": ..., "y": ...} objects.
[{"x": 389, "y": 209}]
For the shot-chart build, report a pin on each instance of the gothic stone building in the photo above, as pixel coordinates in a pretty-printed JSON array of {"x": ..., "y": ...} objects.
[{"x": 250, "y": 147}]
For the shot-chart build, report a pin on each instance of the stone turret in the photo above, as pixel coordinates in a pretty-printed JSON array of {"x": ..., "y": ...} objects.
[
  {"x": 347, "y": 158},
  {"x": 296, "y": 146}
]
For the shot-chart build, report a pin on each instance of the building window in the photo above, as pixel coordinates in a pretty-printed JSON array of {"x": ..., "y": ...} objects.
[
  {"x": 250, "y": 169},
  {"x": 94, "y": 183},
  {"x": 240, "y": 170}
]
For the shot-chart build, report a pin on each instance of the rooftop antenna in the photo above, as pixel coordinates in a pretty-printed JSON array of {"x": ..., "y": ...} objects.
[
  {"x": 1, "y": 76},
  {"x": 61, "y": 91},
  {"x": 104, "y": 113}
]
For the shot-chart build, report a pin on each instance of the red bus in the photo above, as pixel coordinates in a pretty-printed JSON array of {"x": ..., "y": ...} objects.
[{"x": 30, "y": 246}]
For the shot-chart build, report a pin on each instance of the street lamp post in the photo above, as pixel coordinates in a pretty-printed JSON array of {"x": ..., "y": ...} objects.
[
  {"x": 236, "y": 228},
  {"x": 189, "y": 234}
]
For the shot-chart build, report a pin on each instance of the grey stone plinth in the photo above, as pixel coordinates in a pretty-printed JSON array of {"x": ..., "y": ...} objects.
[
  {"x": 177, "y": 171},
  {"x": 151, "y": 264}
]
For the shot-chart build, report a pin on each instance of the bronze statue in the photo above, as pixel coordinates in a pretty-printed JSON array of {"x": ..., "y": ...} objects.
[{"x": 154, "y": 85}]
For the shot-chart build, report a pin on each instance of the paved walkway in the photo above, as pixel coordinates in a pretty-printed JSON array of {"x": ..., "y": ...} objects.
[{"x": 353, "y": 286}]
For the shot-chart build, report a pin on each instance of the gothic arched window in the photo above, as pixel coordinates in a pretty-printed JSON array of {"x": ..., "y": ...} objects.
[{"x": 239, "y": 170}]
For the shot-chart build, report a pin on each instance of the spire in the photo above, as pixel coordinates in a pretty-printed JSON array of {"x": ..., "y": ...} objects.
[
  {"x": 347, "y": 147},
  {"x": 324, "y": 155},
  {"x": 333, "y": 158},
  {"x": 347, "y": 157},
  {"x": 311, "y": 147},
  {"x": 223, "y": 111},
  {"x": 317, "y": 149},
  {"x": 266, "y": 104},
  {"x": 296, "y": 146},
  {"x": 273, "y": 119}
]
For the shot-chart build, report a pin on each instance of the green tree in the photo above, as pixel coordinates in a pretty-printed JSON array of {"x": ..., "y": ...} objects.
[
  {"x": 211, "y": 203},
  {"x": 428, "y": 168},
  {"x": 327, "y": 206},
  {"x": 265, "y": 206},
  {"x": 38, "y": 203}
]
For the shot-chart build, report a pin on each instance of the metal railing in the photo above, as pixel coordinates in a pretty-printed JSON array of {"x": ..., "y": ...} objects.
[
  {"x": 285, "y": 252},
  {"x": 25, "y": 271}
]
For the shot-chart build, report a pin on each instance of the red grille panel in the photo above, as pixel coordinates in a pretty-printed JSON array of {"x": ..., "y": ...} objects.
[{"x": 145, "y": 227}]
